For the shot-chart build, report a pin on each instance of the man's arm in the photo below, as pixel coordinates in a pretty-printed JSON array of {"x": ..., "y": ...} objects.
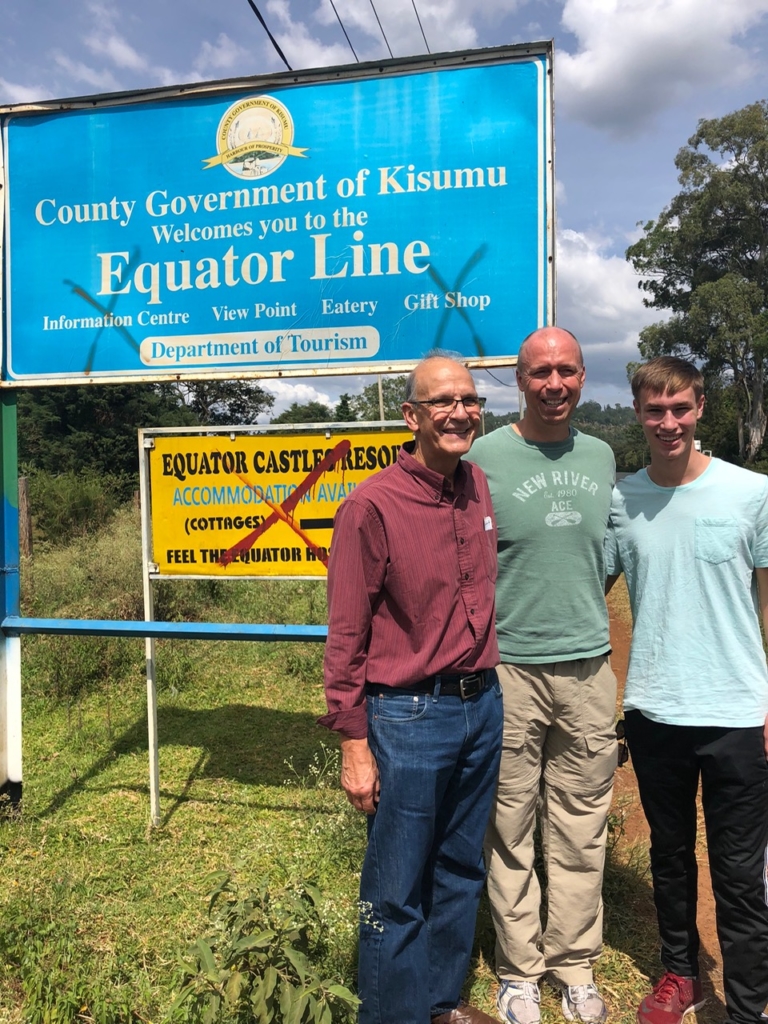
[
  {"x": 762, "y": 589},
  {"x": 355, "y": 578}
]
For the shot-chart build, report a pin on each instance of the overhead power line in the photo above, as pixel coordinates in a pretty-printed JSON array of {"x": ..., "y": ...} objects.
[
  {"x": 382, "y": 30},
  {"x": 420, "y": 26},
  {"x": 333, "y": 5},
  {"x": 272, "y": 39}
]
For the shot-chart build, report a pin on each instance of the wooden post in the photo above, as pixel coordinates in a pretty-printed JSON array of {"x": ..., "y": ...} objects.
[{"x": 25, "y": 518}]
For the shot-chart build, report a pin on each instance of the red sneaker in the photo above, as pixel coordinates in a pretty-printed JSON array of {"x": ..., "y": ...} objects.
[{"x": 671, "y": 999}]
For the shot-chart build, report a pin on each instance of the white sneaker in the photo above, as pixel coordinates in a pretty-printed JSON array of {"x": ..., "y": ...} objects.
[
  {"x": 518, "y": 1002},
  {"x": 583, "y": 1003}
]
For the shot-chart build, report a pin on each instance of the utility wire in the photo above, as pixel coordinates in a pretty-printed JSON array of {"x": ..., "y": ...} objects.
[
  {"x": 380, "y": 30},
  {"x": 333, "y": 5},
  {"x": 420, "y": 26},
  {"x": 499, "y": 380},
  {"x": 272, "y": 39}
]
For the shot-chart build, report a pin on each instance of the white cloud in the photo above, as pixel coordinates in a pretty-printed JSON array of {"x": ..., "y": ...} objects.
[
  {"x": 598, "y": 299},
  {"x": 637, "y": 59},
  {"x": 115, "y": 49},
  {"x": 223, "y": 56},
  {"x": 301, "y": 49},
  {"x": 106, "y": 42},
  {"x": 286, "y": 394},
  {"x": 12, "y": 92},
  {"x": 447, "y": 24},
  {"x": 104, "y": 81}
]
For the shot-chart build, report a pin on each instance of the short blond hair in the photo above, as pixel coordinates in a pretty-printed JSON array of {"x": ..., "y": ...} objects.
[{"x": 667, "y": 375}]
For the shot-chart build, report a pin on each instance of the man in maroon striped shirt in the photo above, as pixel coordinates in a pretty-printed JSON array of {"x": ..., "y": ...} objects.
[{"x": 411, "y": 687}]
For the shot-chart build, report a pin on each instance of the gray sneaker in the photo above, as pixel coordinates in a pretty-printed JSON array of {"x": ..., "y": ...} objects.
[
  {"x": 583, "y": 1003},
  {"x": 518, "y": 1002}
]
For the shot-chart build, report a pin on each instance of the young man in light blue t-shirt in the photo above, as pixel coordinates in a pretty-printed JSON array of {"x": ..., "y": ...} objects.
[{"x": 690, "y": 534}]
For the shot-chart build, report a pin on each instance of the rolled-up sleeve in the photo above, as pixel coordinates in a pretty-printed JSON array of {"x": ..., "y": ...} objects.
[{"x": 356, "y": 573}]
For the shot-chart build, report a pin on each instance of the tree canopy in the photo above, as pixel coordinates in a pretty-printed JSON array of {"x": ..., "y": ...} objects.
[
  {"x": 706, "y": 259},
  {"x": 308, "y": 412},
  {"x": 94, "y": 427},
  {"x": 344, "y": 413},
  {"x": 366, "y": 405},
  {"x": 223, "y": 402}
]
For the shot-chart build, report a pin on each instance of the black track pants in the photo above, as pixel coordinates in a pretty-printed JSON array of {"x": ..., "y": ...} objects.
[{"x": 668, "y": 761}]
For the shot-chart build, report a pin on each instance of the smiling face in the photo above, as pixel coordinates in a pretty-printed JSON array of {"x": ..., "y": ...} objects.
[
  {"x": 669, "y": 423},
  {"x": 550, "y": 375},
  {"x": 442, "y": 435}
]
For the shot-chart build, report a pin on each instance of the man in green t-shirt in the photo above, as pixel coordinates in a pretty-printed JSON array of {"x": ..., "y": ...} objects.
[{"x": 551, "y": 489}]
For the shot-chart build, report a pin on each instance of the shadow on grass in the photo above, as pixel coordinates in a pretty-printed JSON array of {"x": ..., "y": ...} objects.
[{"x": 241, "y": 743}]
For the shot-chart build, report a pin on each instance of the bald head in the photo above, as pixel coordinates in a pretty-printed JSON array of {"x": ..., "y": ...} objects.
[
  {"x": 550, "y": 375},
  {"x": 443, "y": 411},
  {"x": 546, "y": 337},
  {"x": 414, "y": 385}
]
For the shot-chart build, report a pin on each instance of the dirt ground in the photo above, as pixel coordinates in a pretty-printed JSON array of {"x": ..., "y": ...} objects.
[{"x": 636, "y": 831}]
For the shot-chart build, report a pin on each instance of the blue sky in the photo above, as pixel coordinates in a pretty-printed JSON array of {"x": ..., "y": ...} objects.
[{"x": 631, "y": 81}]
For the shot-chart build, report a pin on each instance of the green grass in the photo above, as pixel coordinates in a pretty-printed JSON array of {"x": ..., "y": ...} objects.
[{"x": 97, "y": 905}]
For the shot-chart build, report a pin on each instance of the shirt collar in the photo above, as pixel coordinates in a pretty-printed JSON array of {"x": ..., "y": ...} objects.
[{"x": 435, "y": 482}]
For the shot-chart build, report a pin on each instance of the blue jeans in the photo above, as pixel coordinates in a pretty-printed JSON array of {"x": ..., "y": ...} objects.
[{"x": 423, "y": 872}]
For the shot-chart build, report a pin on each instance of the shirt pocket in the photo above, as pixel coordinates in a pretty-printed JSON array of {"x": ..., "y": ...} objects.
[{"x": 716, "y": 540}]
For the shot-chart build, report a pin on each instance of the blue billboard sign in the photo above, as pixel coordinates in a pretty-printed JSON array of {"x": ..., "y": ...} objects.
[{"x": 345, "y": 223}]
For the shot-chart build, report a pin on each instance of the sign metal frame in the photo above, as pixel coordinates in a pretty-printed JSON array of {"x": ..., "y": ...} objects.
[{"x": 539, "y": 54}]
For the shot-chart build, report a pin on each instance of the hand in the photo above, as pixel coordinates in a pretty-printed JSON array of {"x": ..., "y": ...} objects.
[{"x": 359, "y": 775}]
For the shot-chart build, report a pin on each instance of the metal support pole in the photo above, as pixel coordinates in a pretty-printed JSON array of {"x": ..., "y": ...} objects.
[
  {"x": 149, "y": 642},
  {"x": 10, "y": 647}
]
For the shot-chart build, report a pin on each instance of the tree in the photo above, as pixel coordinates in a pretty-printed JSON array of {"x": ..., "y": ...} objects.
[
  {"x": 344, "y": 413},
  {"x": 706, "y": 260},
  {"x": 494, "y": 420},
  {"x": 94, "y": 427},
  {"x": 223, "y": 402},
  {"x": 71, "y": 429},
  {"x": 310, "y": 412},
  {"x": 366, "y": 405}
]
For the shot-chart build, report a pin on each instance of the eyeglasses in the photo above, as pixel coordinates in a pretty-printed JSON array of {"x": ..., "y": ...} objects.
[{"x": 471, "y": 403}]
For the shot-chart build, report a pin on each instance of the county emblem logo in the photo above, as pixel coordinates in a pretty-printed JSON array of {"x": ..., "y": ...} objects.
[{"x": 254, "y": 138}]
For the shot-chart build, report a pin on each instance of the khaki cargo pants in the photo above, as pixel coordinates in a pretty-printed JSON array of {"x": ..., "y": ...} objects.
[{"x": 559, "y": 755}]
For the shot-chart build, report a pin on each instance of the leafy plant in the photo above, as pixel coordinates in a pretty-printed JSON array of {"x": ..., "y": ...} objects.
[
  {"x": 52, "y": 962},
  {"x": 259, "y": 961}
]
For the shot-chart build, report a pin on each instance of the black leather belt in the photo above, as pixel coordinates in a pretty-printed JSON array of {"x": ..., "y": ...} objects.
[{"x": 451, "y": 685}]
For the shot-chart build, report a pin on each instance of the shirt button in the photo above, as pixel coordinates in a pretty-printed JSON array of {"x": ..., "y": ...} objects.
[
  {"x": 466, "y": 575},
  {"x": 471, "y": 611},
  {"x": 461, "y": 540}
]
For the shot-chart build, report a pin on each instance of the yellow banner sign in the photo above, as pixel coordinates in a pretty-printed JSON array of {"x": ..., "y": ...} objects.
[{"x": 235, "y": 505}]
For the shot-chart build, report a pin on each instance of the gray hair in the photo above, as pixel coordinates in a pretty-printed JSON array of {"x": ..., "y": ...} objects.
[{"x": 435, "y": 353}]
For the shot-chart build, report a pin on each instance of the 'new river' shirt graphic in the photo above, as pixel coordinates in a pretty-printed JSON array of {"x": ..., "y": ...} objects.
[
  {"x": 551, "y": 503},
  {"x": 560, "y": 490}
]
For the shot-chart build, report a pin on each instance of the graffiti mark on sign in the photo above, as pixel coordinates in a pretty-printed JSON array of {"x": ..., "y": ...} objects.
[{"x": 283, "y": 512}]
